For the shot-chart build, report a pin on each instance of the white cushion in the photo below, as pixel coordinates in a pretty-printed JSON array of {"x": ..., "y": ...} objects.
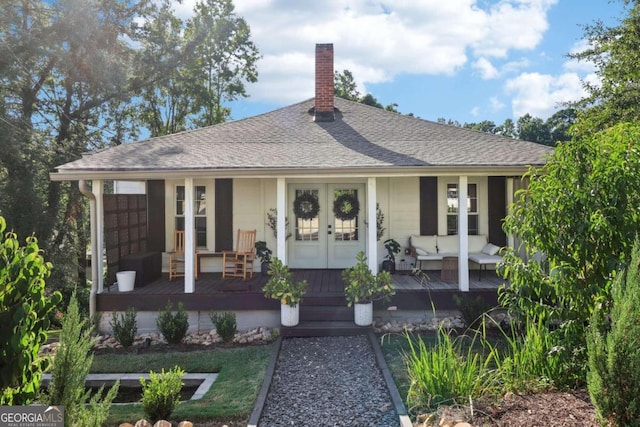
[
  {"x": 448, "y": 244},
  {"x": 490, "y": 249},
  {"x": 425, "y": 243},
  {"x": 419, "y": 251},
  {"x": 482, "y": 258},
  {"x": 477, "y": 242}
]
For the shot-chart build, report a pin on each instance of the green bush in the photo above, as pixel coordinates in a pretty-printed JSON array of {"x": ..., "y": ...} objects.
[
  {"x": 25, "y": 314},
  {"x": 471, "y": 309},
  {"x": 161, "y": 394},
  {"x": 124, "y": 327},
  {"x": 70, "y": 367},
  {"x": 225, "y": 324},
  {"x": 452, "y": 371},
  {"x": 613, "y": 341},
  {"x": 173, "y": 326}
]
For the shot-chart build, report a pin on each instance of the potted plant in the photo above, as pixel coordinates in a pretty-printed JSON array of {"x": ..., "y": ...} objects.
[
  {"x": 362, "y": 287},
  {"x": 264, "y": 253},
  {"x": 281, "y": 286},
  {"x": 393, "y": 248}
]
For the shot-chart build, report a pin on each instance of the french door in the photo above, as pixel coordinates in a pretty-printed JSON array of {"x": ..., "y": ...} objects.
[{"x": 327, "y": 225}]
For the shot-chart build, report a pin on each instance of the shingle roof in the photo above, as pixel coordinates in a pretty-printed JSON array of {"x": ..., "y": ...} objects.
[{"x": 360, "y": 137}]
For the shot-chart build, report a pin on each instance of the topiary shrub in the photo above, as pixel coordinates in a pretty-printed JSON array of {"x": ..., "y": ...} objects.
[
  {"x": 613, "y": 341},
  {"x": 124, "y": 327},
  {"x": 173, "y": 326},
  {"x": 161, "y": 394},
  {"x": 25, "y": 314},
  {"x": 225, "y": 324}
]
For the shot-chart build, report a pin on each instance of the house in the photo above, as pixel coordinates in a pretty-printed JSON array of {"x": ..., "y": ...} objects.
[{"x": 213, "y": 181}]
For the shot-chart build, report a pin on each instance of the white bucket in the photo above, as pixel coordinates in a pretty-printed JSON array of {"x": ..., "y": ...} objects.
[
  {"x": 126, "y": 280},
  {"x": 363, "y": 314},
  {"x": 289, "y": 316}
]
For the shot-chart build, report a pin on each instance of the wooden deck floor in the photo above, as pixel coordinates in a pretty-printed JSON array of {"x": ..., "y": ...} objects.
[{"x": 212, "y": 292}]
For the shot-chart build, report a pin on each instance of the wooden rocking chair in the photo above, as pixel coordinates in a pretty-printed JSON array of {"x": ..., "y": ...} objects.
[
  {"x": 176, "y": 258},
  {"x": 239, "y": 263}
]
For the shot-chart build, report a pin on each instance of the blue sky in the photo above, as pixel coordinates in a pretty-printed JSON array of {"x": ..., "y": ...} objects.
[{"x": 467, "y": 60}]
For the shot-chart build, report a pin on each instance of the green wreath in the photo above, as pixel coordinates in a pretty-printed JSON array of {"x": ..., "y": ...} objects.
[
  {"x": 306, "y": 206},
  {"x": 346, "y": 206}
]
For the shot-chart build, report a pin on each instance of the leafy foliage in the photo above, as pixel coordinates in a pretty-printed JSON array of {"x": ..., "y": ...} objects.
[
  {"x": 71, "y": 365},
  {"x": 225, "y": 324},
  {"x": 580, "y": 215},
  {"x": 124, "y": 327},
  {"x": 615, "y": 52},
  {"x": 613, "y": 342},
  {"x": 173, "y": 326},
  {"x": 281, "y": 285},
  {"x": 472, "y": 309},
  {"x": 362, "y": 286},
  {"x": 161, "y": 394},
  {"x": 24, "y": 317}
]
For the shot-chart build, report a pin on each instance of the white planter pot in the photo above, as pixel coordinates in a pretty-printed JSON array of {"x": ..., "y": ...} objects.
[
  {"x": 126, "y": 280},
  {"x": 363, "y": 314},
  {"x": 289, "y": 316}
]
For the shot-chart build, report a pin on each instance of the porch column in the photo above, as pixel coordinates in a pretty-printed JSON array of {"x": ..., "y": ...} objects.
[
  {"x": 97, "y": 187},
  {"x": 372, "y": 234},
  {"x": 510, "y": 237},
  {"x": 281, "y": 206},
  {"x": 463, "y": 235},
  {"x": 189, "y": 237}
]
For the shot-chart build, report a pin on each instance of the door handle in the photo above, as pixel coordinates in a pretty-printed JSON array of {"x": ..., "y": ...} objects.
[{"x": 329, "y": 232}]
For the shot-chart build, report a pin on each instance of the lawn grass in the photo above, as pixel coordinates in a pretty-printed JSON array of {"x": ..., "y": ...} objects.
[{"x": 232, "y": 396}]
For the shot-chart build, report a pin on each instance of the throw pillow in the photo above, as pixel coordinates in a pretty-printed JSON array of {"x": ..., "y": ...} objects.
[
  {"x": 421, "y": 251},
  {"x": 490, "y": 249}
]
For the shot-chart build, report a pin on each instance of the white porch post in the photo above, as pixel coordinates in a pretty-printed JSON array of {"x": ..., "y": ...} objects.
[
  {"x": 463, "y": 235},
  {"x": 189, "y": 237},
  {"x": 510, "y": 238},
  {"x": 97, "y": 188},
  {"x": 372, "y": 242},
  {"x": 281, "y": 206}
]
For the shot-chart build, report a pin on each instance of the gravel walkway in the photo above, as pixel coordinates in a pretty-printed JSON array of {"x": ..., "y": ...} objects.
[{"x": 328, "y": 381}]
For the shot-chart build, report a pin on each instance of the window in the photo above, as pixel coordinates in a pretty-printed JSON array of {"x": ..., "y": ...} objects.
[
  {"x": 452, "y": 208},
  {"x": 346, "y": 229},
  {"x": 307, "y": 229},
  {"x": 199, "y": 210}
]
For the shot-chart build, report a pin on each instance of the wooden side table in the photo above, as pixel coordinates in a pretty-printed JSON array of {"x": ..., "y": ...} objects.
[{"x": 450, "y": 269}]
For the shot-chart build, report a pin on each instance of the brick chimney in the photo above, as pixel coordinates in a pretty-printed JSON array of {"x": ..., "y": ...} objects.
[{"x": 324, "y": 83}]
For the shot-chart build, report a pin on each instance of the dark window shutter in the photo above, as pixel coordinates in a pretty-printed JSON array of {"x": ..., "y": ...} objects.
[
  {"x": 428, "y": 205},
  {"x": 497, "y": 209},
  {"x": 156, "y": 218},
  {"x": 224, "y": 215}
]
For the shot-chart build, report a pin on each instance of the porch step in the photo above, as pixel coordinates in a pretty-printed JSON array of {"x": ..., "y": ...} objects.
[
  {"x": 326, "y": 313},
  {"x": 323, "y": 329},
  {"x": 337, "y": 300}
]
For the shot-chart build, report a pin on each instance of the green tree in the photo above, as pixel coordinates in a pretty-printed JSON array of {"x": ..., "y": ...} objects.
[
  {"x": 225, "y": 58},
  {"x": 578, "y": 211},
  {"x": 534, "y": 129},
  {"x": 615, "y": 52},
  {"x": 486, "y": 126},
  {"x": 24, "y": 317},
  {"x": 508, "y": 129},
  {"x": 614, "y": 359},
  {"x": 345, "y": 86}
]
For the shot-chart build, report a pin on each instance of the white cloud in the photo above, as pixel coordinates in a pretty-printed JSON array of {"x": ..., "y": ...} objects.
[
  {"x": 486, "y": 68},
  {"x": 495, "y": 104},
  {"x": 577, "y": 66},
  {"x": 541, "y": 94},
  {"x": 378, "y": 42}
]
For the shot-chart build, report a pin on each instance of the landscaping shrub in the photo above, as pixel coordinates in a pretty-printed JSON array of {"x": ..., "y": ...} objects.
[
  {"x": 124, "y": 327},
  {"x": 173, "y": 326},
  {"x": 71, "y": 365},
  {"x": 225, "y": 324},
  {"x": 451, "y": 371},
  {"x": 25, "y": 314},
  {"x": 161, "y": 394},
  {"x": 472, "y": 309},
  {"x": 613, "y": 343}
]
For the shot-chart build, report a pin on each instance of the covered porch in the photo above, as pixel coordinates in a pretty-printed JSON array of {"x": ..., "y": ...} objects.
[{"x": 212, "y": 292}]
